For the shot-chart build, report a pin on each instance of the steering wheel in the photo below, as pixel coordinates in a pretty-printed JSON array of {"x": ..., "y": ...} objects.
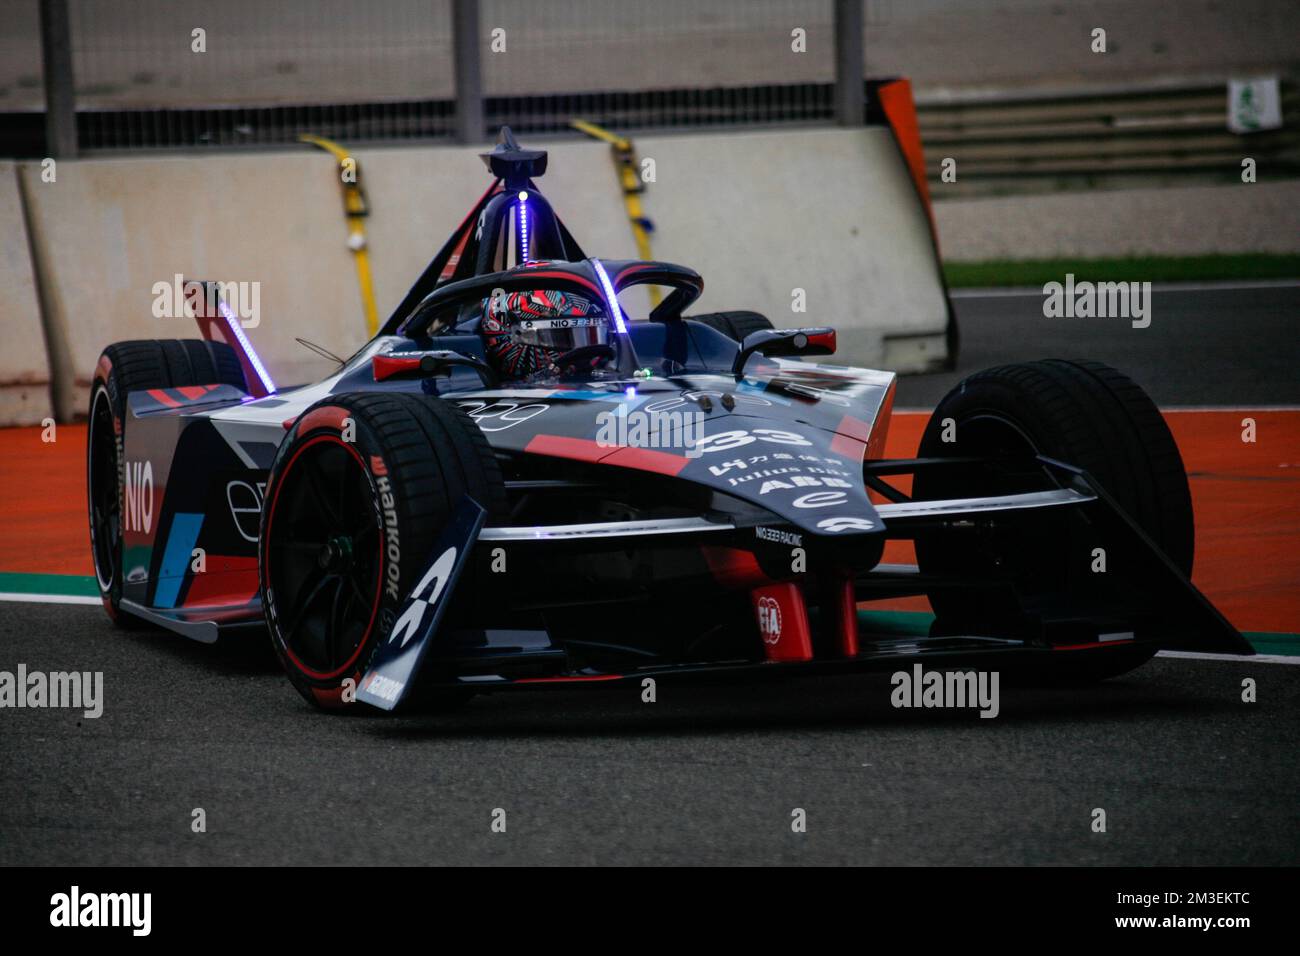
[{"x": 584, "y": 357}]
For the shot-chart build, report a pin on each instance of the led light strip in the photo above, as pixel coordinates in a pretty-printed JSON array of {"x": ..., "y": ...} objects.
[
  {"x": 523, "y": 226},
  {"x": 610, "y": 298},
  {"x": 233, "y": 322}
]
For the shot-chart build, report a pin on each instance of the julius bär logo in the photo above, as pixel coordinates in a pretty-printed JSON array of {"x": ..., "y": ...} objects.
[{"x": 769, "y": 620}]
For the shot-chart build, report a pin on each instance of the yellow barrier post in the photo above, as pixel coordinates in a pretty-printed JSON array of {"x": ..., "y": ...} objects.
[
  {"x": 355, "y": 209},
  {"x": 629, "y": 180}
]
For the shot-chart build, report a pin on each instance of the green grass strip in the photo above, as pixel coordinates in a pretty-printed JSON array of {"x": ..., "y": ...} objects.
[{"x": 74, "y": 585}]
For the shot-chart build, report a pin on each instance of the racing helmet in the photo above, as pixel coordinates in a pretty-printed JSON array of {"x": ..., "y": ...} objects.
[{"x": 525, "y": 332}]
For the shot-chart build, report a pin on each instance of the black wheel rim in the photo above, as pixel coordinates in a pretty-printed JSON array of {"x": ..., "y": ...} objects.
[
  {"x": 323, "y": 553},
  {"x": 103, "y": 493}
]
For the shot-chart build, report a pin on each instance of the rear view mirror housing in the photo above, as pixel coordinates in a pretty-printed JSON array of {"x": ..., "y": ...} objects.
[{"x": 784, "y": 342}]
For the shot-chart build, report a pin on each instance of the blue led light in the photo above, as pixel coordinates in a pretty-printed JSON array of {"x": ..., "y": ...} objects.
[
  {"x": 238, "y": 331},
  {"x": 610, "y": 298},
  {"x": 630, "y": 391},
  {"x": 523, "y": 226}
]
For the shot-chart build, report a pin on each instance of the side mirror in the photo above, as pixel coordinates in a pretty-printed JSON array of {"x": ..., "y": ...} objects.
[
  {"x": 425, "y": 363},
  {"x": 776, "y": 342}
]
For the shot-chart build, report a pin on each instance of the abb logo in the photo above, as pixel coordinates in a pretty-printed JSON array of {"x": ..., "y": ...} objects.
[{"x": 769, "y": 619}]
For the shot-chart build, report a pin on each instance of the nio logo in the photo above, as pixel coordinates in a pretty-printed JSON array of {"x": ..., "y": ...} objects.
[
  {"x": 769, "y": 619},
  {"x": 138, "y": 492},
  {"x": 845, "y": 523},
  {"x": 435, "y": 582}
]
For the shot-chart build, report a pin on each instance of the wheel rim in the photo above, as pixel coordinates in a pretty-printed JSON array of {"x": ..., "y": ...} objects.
[
  {"x": 102, "y": 492},
  {"x": 324, "y": 554}
]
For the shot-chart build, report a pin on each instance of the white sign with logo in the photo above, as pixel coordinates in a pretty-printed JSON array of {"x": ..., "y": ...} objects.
[{"x": 1254, "y": 104}]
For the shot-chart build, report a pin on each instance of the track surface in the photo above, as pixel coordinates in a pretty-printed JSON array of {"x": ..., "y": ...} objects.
[{"x": 1187, "y": 772}]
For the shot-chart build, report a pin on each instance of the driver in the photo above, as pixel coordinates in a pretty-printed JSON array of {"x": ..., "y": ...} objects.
[{"x": 526, "y": 333}]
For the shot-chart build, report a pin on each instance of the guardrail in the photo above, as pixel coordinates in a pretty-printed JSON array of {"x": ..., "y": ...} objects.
[{"x": 1159, "y": 133}]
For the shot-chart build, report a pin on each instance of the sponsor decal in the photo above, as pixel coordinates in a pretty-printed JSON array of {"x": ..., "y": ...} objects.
[
  {"x": 498, "y": 416},
  {"x": 434, "y": 582},
  {"x": 384, "y": 687},
  {"x": 245, "y": 500},
  {"x": 725, "y": 441},
  {"x": 769, "y": 619},
  {"x": 138, "y": 492},
  {"x": 392, "y": 543},
  {"x": 777, "y": 536},
  {"x": 820, "y": 499},
  {"x": 802, "y": 481},
  {"x": 845, "y": 523}
]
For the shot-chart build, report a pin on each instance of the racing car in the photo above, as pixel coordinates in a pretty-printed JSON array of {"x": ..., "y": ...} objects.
[{"x": 521, "y": 483}]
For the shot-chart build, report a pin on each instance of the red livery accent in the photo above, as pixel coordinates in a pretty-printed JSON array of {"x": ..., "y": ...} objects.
[
  {"x": 228, "y": 580},
  {"x": 327, "y": 416},
  {"x": 734, "y": 568},
  {"x": 160, "y": 395},
  {"x": 783, "y": 622},
  {"x": 843, "y": 606},
  {"x": 386, "y": 366}
]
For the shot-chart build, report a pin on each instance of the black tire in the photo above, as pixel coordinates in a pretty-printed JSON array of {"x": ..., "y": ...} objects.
[
  {"x": 1081, "y": 412},
  {"x": 734, "y": 325},
  {"x": 126, "y": 367},
  {"x": 333, "y": 578}
]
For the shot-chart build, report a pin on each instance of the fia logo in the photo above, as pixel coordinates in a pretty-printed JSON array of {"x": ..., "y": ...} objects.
[{"x": 769, "y": 620}]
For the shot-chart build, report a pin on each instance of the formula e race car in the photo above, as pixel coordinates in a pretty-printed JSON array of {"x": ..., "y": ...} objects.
[{"x": 518, "y": 483}]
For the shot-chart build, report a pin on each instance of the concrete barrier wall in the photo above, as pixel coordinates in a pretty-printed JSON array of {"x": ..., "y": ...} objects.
[
  {"x": 832, "y": 212},
  {"x": 760, "y": 214},
  {"x": 24, "y": 368}
]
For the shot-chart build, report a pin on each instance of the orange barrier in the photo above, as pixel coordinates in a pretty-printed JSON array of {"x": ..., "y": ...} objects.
[{"x": 1247, "y": 500}]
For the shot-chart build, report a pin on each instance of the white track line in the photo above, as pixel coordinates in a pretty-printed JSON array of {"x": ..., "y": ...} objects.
[
  {"x": 1251, "y": 659},
  {"x": 48, "y": 598}
]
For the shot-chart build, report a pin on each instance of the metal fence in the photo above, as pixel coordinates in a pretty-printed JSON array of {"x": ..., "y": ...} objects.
[{"x": 150, "y": 74}]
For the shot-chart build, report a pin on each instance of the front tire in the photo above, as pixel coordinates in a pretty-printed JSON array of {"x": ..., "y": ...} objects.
[
  {"x": 1086, "y": 414},
  {"x": 360, "y": 490}
]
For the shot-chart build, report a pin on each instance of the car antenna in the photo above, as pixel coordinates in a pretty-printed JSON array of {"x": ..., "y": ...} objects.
[{"x": 320, "y": 350}]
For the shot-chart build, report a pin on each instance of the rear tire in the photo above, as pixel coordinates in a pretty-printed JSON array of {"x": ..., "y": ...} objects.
[
  {"x": 126, "y": 367},
  {"x": 348, "y": 526},
  {"x": 1086, "y": 414},
  {"x": 734, "y": 325}
]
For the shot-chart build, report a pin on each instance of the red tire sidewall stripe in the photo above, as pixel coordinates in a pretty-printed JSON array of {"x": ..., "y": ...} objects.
[{"x": 334, "y": 421}]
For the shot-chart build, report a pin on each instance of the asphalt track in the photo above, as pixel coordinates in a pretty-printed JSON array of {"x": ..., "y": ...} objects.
[{"x": 1186, "y": 771}]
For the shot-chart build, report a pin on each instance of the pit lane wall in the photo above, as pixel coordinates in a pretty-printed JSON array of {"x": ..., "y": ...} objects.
[
  {"x": 24, "y": 367},
  {"x": 823, "y": 220}
]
